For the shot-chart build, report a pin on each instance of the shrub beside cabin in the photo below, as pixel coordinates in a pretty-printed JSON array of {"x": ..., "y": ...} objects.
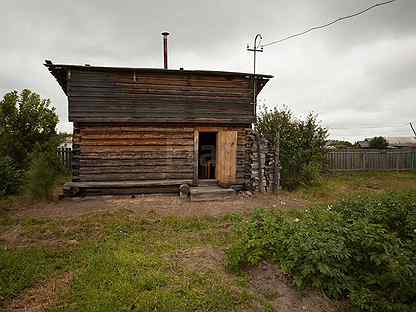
[{"x": 139, "y": 130}]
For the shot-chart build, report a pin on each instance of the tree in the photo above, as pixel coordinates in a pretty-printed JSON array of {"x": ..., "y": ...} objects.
[
  {"x": 302, "y": 144},
  {"x": 378, "y": 143},
  {"x": 26, "y": 120}
]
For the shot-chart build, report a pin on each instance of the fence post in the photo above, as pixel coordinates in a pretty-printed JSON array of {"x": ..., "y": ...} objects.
[
  {"x": 65, "y": 156},
  {"x": 397, "y": 162},
  {"x": 372, "y": 160},
  {"x": 276, "y": 171},
  {"x": 365, "y": 161}
]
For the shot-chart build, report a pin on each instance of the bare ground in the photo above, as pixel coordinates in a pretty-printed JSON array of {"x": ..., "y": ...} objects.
[
  {"x": 161, "y": 205},
  {"x": 42, "y": 296},
  {"x": 16, "y": 237}
]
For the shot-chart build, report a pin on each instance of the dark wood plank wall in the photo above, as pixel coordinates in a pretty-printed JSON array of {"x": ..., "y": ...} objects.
[
  {"x": 127, "y": 96},
  {"x": 135, "y": 153}
]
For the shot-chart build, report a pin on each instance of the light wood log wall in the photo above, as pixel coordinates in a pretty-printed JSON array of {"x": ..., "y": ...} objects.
[
  {"x": 108, "y": 153},
  {"x": 136, "y": 153}
]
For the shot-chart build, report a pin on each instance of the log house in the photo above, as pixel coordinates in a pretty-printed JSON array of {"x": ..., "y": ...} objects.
[{"x": 140, "y": 130}]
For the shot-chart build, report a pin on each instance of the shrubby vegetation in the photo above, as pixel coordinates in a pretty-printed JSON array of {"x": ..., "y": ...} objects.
[
  {"x": 302, "y": 145},
  {"x": 28, "y": 143},
  {"x": 43, "y": 171},
  {"x": 363, "y": 249},
  {"x": 10, "y": 176}
]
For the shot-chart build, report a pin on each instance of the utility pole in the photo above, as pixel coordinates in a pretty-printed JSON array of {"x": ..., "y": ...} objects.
[
  {"x": 255, "y": 49},
  {"x": 413, "y": 129}
]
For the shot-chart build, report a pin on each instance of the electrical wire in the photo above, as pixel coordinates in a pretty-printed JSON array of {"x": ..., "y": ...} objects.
[
  {"x": 327, "y": 24},
  {"x": 368, "y": 127}
]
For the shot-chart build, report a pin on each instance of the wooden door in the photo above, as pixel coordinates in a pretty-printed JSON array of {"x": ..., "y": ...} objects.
[{"x": 226, "y": 157}]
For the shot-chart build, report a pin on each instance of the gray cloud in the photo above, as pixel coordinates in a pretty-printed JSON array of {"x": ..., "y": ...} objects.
[{"x": 356, "y": 75}]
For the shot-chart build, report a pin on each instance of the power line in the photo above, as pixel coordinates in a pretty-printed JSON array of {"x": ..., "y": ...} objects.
[
  {"x": 328, "y": 24},
  {"x": 397, "y": 126}
]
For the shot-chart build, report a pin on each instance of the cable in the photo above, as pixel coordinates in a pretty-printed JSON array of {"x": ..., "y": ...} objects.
[
  {"x": 328, "y": 24},
  {"x": 397, "y": 126}
]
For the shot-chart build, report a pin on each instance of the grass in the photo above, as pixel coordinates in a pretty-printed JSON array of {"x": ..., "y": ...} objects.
[
  {"x": 121, "y": 261},
  {"x": 20, "y": 267},
  {"x": 338, "y": 185}
]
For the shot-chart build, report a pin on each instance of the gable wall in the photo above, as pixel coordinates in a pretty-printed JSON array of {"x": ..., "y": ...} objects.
[{"x": 128, "y": 96}]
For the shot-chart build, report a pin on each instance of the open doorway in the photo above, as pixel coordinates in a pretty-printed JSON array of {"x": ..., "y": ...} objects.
[{"x": 207, "y": 155}]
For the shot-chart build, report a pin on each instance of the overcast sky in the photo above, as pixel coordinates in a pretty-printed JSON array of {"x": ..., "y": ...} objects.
[{"x": 359, "y": 76}]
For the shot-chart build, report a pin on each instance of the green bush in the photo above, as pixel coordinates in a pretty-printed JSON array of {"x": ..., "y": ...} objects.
[
  {"x": 362, "y": 249},
  {"x": 44, "y": 170},
  {"x": 301, "y": 144},
  {"x": 9, "y": 177},
  {"x": 312, "y": 174}
]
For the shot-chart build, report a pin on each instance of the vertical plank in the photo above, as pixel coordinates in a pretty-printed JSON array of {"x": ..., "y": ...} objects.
[
  {"x": 196, "y": 157},
  {"x": 227, "y": 157},
  {"x": 220, "y": 157},
  {"x": 372, "y": 160}
]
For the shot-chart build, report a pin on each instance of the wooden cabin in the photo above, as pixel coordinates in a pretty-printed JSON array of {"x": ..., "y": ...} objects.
[{"x": 140, "y": 130}]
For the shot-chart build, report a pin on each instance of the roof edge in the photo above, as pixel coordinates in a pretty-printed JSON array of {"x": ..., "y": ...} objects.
[{"x": 51, "y": 66}]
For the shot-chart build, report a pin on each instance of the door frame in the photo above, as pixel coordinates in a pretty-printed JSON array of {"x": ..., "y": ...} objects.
[
  {"x": 197, "y": 130},
  {"x": 195, "y": 180}
]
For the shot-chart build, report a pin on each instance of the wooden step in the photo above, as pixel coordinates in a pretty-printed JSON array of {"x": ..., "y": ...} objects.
[
  {"x": 74, "y": 189},
  {"x": 209, "y": 193},
  {"x": 207, "y": 182}
]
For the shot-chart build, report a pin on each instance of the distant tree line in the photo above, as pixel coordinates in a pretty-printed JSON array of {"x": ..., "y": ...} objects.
[
  {"x": 374, "y": 143},
  {"x": 378, "y": 143}
]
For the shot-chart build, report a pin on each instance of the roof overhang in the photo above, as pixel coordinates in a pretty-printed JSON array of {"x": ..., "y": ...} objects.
[{"x": 60, "y": 72}]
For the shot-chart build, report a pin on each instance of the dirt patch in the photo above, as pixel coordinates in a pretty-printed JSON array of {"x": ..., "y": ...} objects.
[
  {"x": 202, "y": 259},
  {"x": 42, "y": 296},
  {"x": 277, "y": 287},
  {"x": 162, "y": 205},
  {"x": 17, "y": 238}
]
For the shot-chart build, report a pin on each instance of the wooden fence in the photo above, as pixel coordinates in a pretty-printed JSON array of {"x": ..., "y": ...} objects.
[
  {"x": 365, "y": 159},
  {"x": 65, "y": 155}
]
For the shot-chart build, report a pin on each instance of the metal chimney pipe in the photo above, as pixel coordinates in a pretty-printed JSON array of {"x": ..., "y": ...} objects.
[{"x": 165, "y": 49}]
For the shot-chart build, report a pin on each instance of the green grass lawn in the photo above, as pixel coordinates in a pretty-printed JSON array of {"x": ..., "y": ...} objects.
[
  {"x": 122, "y": 261},
  {"x": 338, "y": 185}
]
